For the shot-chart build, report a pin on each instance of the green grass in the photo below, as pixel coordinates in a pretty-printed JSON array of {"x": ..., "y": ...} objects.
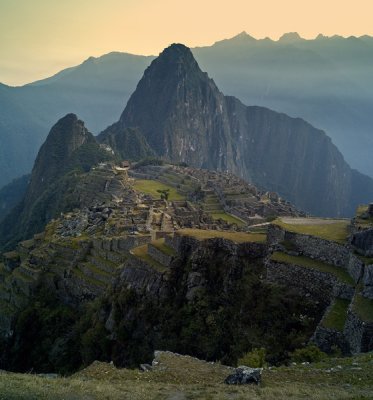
[
  {"x": 335, "y": 231},
  {"x": 191, "y": 379},
  {"x": 336, "y": 317},
  {"x": 306, "y": 262},
  {"x": 363, "y": 307},
  {"x": 361, "y": 209},
  {"x": 227, "y": 217},
  {"x": 142, "y": 253},
  {"x": 160, "y": 245},
  {"x": 365, "y": 260},
  {"x": 97, "y": 271},
  {"x": 362, "y": 219},
  {"x": 150, "y": 187},
  {"x": 239, "y": 237}
]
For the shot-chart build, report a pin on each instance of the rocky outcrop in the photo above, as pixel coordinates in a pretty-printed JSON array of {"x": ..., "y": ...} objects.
[
  {"x": 244, "y": 375},
  {"x": 329, "y": 340},
  {"x": 363, "y": 242},
  {"x": 185, "y": 118}
]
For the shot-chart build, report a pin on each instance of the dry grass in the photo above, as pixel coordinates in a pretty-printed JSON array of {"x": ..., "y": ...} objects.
[
  {"x": 333, "y": 230},
  {"x": 187, "y": 378},
  {"x": 228, "y": 218},
  {"x": 238, "y": 237},
  {"x": 160, "y": 245}
]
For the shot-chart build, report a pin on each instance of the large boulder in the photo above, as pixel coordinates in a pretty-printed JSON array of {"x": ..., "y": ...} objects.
[{"x": 244, "y": 375}]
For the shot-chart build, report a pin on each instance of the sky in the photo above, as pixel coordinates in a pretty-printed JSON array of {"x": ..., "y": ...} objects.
[{"x": 40, "y": 37}]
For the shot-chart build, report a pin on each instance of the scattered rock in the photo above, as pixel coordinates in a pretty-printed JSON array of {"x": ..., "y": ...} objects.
[
  {"x": 146, "y": 367},
  {"x": 244, "y": 375}
]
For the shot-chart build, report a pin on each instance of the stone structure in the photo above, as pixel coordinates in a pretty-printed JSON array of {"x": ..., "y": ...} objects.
[{"x": 357, "y": 334}]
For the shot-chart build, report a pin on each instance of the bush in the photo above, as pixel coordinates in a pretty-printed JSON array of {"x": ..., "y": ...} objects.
[
  {"x": 254, "y": 358},
  {"x": 310, "y": 353}
]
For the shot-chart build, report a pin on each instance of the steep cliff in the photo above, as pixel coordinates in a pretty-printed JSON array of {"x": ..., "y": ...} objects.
[{"x": 185, "y": 118}]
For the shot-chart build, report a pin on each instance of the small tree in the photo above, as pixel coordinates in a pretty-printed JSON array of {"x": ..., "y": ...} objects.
[{"x": 164, "y": 193}]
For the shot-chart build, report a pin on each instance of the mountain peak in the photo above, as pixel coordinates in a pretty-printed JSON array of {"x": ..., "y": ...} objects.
[
  {"x": 176, "y": 53},
  {"x": 66, "y": 136},
  {"x": 290, "y": 37}
]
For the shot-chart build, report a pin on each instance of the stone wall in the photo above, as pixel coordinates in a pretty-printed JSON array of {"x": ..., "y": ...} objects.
[
  {"x": 358, "y": 333},
  {"x": 363, "y": 242},
  {"x": 368, "y": 282},
  {"x": 311, "y": 246},
  {"x": 252, "y": 250},
  {"x": 121, "y": 244},
  {"x": 320, "y": 285},
  {"x": 328, "y": 339},
  {"x": 143, "y": 279},
  {"x": 159, "y": 256},
  {"x": 355, "y": 268}
]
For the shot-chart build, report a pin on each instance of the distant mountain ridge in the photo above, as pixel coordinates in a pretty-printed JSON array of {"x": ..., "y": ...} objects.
[{"x": 327, "y": 81}]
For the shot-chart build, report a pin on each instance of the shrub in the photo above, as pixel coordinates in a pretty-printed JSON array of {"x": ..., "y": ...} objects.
[
  {"x": 254, "y": 358},
  {"x": 310, "y": 353}
]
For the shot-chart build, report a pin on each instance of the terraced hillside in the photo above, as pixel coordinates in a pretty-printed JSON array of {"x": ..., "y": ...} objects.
[
  {"x": 320, "y": 258},
  {"x": 221, "y": 195}
]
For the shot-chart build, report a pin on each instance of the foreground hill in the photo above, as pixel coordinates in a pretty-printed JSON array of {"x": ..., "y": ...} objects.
[{"x": 179, "y": 377}]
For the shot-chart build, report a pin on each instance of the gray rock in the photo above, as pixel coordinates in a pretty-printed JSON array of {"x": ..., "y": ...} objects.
[
  {"x": 146, "y": 367},
  {"x": 244, "y": 375}
]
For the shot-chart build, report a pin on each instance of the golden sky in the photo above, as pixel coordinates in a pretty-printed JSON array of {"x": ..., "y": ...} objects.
[{"x": 40, "y": 37}]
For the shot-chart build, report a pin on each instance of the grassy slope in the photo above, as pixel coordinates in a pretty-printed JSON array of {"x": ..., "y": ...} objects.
[
  {"x": 160, "y": 245},
  {"x": 336, "y": 231},
  {"x": 183, "y": 378},
  {"x": 229, "y": 218},
  {"x": 150, "y": 187},
  {"x": 337, "y": 315}
]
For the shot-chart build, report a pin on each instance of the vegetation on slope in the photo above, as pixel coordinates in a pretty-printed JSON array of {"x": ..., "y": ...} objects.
[
  {"x": 336, "y": 317},
  {"x": 182, "y": 377}
]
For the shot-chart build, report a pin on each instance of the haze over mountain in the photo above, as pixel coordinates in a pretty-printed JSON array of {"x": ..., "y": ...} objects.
[
  {"x": 184, "y": 117},
  {"x": 326, "y": 81}
]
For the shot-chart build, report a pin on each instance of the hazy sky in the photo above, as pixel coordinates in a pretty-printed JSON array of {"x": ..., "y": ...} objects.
[{"x": 40, "y": 37}]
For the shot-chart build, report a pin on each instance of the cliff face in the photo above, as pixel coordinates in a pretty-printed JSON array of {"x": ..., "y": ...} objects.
[
  {"x": 185, "y": 118},
  {"x": 66, "y": 136}
]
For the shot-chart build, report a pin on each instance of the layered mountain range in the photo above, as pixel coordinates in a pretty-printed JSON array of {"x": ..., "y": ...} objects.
[
  {"x": 177, "y": 113},
  {"x": 326, "y": 81}
]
